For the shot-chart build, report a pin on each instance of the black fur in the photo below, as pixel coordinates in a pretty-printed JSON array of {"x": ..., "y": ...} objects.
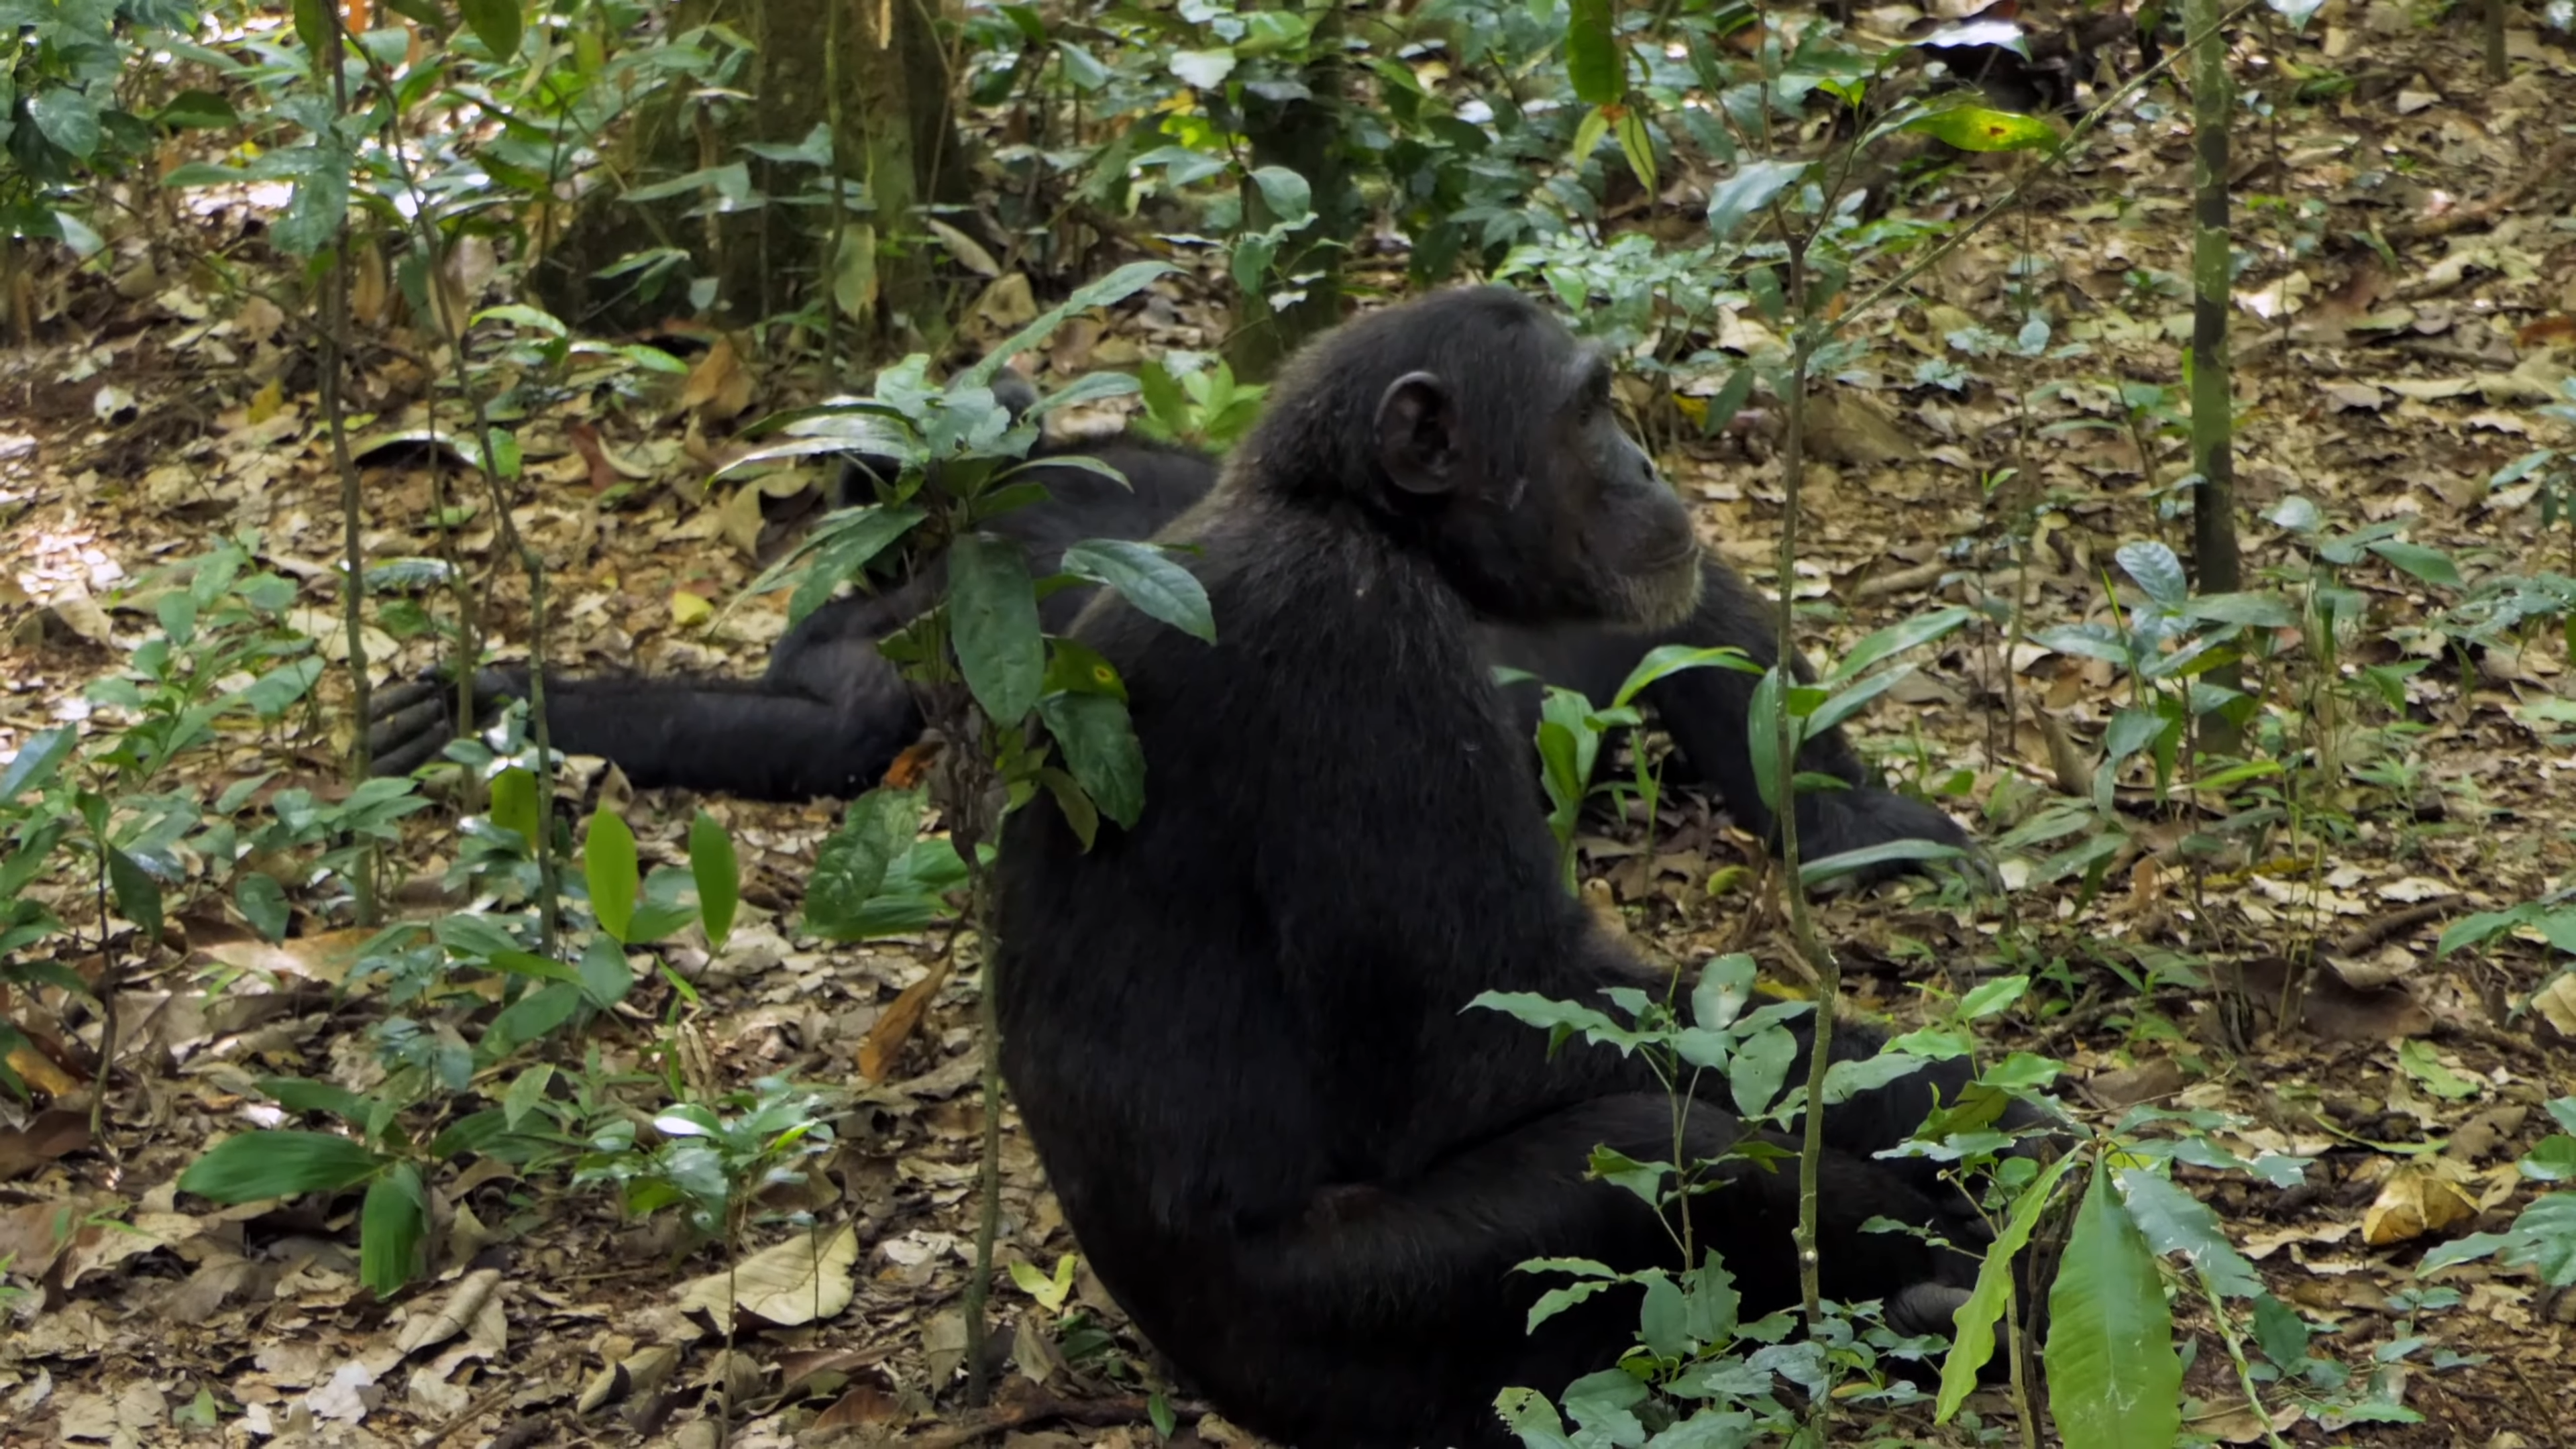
[{"x": 1237, "y": 1033}]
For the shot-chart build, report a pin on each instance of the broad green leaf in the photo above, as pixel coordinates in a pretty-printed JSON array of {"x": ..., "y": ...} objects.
[
  {"x": 608, "y": 863},
  {"x": 1762, "y": 739},
  {"x": 1751, "y": 188},
  {"x": 1761, "y": 1064},
  {"x": 1725, "y": 987},
  {"x": 514, "y": 803},
  {"x": 1637, "y": 146},
  {"x": 2132, "y": 730},
  {"x": 1592, "y": 59},
  {"x": 391, "y": 1228},
  {"x": 604, "y": 975},
  {"x": 718, "y": 876},
  {"x": 1974, "y": 1343},
  {"x": 532, "y": 1017},
  {"x": 67, "y": 116},
  {"x": 2114, "y": 1380},
  {"x": 1588, "y": 136},
  {"x": 2259, "y": 611},
  {"x": 280, "y": 1162},
  {"x": 2431, "y": 565},
  {"x": 1290, "y": 199},
  {"x": 2157, "y": 572},
  {"x": 1147, "y": 577},
  {"x": 2552, "y": 1159},
  {"x": 296, "y": 1094},
  {"x": 138, "y": 895},
  {"x": 1100, "y": 751},
  {"x": 1666, "y": 660},
  {"x": 1204, "y": 69},
  {"x": 525, "y": 1092},
  {"x": 2543, "y": 1237},
  {"x": 1980, "y": 128},
  {"x": 36, "y": 761},
  {"x": 2176, "y": 1222},
  {"x": 494, "y": 22},
  {"x": 993, "y": 624},
  {"x": 1664, "y": 1319},
  {"x": 1814, "y": 873},
  {"x": 1897, "y": 638},
  {"x": 852, "y": 865},
  {"x": 1992, "y": 997},
  {"x": 263, "y": 903}
]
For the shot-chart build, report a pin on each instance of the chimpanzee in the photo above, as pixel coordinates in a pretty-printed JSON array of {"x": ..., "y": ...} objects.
[
  {"x": 1236, "y": 1032},
  {"x": 830, "y": 715}
]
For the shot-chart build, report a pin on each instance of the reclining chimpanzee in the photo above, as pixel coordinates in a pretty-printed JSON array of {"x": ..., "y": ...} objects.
[
  {"x": 830, "y": 715},
  {"x": 1235, "y": 1032}
]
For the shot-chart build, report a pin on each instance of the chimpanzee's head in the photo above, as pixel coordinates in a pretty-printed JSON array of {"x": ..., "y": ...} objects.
[{"x": 1476, "y": 427}]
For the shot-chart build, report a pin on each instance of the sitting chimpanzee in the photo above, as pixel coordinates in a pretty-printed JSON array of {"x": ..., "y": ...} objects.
[
  {"x": 830, "y": 715},
  {"x": 1235, "y": 1032}
]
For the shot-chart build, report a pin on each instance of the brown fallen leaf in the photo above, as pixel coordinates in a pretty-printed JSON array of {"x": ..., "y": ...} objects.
[
  {"x": 885, "y": 1039},
  {"x": 2416, "y": 1201}
]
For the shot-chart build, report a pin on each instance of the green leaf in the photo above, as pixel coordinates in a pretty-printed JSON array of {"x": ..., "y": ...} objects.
[
  {"x": 1592, "y": 59},
  {"x": 1753, "y": 186},
  {"x": 200, "y": 109},
  {"x": 2259, "y": 611},
  {"x": 1666, "y": 660},
  {"x": 138, "y": 895},
  {"x": 280, "y": 1162},
  {"x": 2176, "y": 1222},
  {"x": 993, "y": 624},
  {"x": 262, "y": 902},
  {"x": 296, "y": 1094},
  {"x": 1760, "y": 1066},
  {"x": 514, "y": 803},
  {"x": 1725, "y": 988},
  {"x": 604, "y": 975},
  {"x": 2420, "y": 1063},
  {"x": 2132, "y": 730},
  {"x": 1588, "y": 135},
  {"x": 1147, "y": 577},
  {"x": 2114, "y": 1380},
  {"x": 68, "y": 117},
  {"x": 851, "y": 867},
  {"x": 36, "y": 761},
  {"x": 718, "y": 875},
  {"x": 608, "y": 862},
  {"x": 1979, "y": 128},
  {"x": 1100, "y": 751},
  {"x": 1974, "y": 1343},
  {"x": 2552, "y": 1159},
  {"x": 533, "y": 1016},
  {"x": 1762, "y": 739},
  {"x": 1896, "y": 639},
  {"x": 1203, "y": 69},
  {"x": 1992, "y": 997},
  {"x": 2157, "y": 571},
  {"x": 1637, "y": 146},
  {"x": 494, "y": 22},
  {"x": 526, "y": 1091},
  {"x": 391, "y": 1228},
  {"x": 1664, "y": 1319},
  {"x": 2430, "y": 565},
  {"x": 1290, "y": 199}
]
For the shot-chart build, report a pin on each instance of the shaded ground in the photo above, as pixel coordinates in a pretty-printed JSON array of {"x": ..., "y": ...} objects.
[{"x": 2374, "y": 388}]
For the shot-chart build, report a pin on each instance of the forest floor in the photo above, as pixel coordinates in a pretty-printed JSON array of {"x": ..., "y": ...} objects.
[{"x": 2374, "y": 385}]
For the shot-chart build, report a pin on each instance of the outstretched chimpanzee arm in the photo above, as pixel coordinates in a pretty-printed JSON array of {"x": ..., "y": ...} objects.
[{"x": 826, "y": 720}]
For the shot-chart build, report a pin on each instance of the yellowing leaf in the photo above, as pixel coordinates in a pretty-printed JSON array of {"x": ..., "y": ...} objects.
[
  {"x": 265, "y": 402},
  {"x": 688, "y": 609}
]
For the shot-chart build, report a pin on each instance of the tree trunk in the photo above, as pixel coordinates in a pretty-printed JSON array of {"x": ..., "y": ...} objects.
[{"x": 877, "y": 71}]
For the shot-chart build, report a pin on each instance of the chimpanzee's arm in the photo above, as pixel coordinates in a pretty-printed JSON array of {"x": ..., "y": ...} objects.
[{"x": 827, "y": 719}]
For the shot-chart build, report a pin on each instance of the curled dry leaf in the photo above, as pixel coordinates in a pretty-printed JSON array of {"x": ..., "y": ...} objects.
[
  {"x": 638, "y": 1375},
  {"x": 2416, "y": 1201}
]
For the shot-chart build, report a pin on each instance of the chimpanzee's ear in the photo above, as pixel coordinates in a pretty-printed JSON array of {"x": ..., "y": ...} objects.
[{"x": 1417, "y": 434}]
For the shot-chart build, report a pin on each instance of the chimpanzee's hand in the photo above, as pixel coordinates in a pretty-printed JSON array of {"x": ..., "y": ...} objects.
[{"x": 409, "y": 722}]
